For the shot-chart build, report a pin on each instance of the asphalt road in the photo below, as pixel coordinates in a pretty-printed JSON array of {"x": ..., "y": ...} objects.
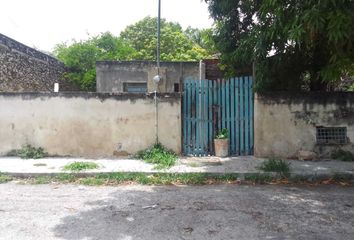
[{"x": 185, "y": 212}]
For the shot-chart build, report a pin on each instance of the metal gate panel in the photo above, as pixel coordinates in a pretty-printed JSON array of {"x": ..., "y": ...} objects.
[{"x": 209, "y": 106}]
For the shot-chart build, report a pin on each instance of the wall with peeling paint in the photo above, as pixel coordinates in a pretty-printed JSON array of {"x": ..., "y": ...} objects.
[
  {"x": 286, "y": 122},
  {"x": 88, "y": 124}
]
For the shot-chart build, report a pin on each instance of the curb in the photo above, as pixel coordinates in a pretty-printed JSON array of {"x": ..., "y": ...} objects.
[{"x": 240, "y": 175}]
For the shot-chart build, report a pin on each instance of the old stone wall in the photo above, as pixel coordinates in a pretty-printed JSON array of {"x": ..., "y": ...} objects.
[
  {"x": 88, "y": 124},
  {"x": 111, "y": 75},
  {"x": 286, "y": 123},
  {"x": 24, "y": 69}
]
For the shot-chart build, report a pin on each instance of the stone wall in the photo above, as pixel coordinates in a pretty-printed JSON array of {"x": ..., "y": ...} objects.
[
  {"x": 88, "y": 124},
  {"x": 285, "y": 123},
  {"x": 111, "y": 75},
  {"x": 24, "y": 69}
]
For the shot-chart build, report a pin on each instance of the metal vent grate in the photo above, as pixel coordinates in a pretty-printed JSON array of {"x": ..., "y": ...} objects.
[{"x": 331, "y": 135}]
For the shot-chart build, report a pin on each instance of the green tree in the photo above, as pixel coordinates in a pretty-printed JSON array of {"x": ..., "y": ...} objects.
[
  {"x": 311, "y": 42},
  {"x": 80, "y": 57},
  {"x": 175, "y": 45},
  {"x": 202, "y": 37}
]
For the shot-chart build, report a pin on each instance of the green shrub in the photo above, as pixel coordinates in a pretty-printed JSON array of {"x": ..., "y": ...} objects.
[
  {"x": 29, "y": 151},
  {"x": 276, "y": 165},
  {"x": 222, "y": 134},
  {"x": 80, "y": 166},
  {"x": 342, "y": 155},
  {"x": 158, "y": 155}
]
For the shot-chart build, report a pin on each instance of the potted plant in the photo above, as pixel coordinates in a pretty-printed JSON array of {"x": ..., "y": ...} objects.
[{"x": 221, "y": 143}]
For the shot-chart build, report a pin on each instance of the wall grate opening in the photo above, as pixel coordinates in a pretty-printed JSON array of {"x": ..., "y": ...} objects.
[{"x": 331, "y": 135}]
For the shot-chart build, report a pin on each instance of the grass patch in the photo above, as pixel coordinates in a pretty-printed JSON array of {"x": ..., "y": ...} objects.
[
  {"x": 158, "y": 155},
  {"x": 92, "y": 181},
  {"x": 65, "y": 178},
  {"x": 138, "y": 178},
  {"x": 175, "y": 179},
  {"x": 166, "y": 178},
  {"x": 5, "y": 178},
  {"x": 28, "y": 151},
  {"x": 342, "y": 155},
  {"x": 259, "y": 178},
  {"x": 80, "y": 166},
  {"x": 42, "y": 180},
  {"x": 276, "y": 165}
]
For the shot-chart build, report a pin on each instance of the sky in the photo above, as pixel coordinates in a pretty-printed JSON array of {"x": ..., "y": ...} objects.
[{"x": 44, "y": 23}]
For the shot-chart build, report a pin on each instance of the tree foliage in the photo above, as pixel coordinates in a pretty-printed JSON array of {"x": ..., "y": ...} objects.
[
  {"x": 294, "y": 44},
  {"x": 80, "y": 57},
  {"x": 175, "y": 44},
  {"x": 202, "y": 37}
]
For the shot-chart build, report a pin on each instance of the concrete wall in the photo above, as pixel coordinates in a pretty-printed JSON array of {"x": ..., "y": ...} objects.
[
  {"x": 286, "y": 122},
  {"x": 110, "y": 75},
  {"x": 24, "y": 69},
  {"x": 88, "y": 124}
]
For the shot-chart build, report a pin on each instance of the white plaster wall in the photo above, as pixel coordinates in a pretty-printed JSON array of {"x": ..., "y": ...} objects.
[
  {"x": 87, "y": 125},
  {"x": 285, "y": 125}
]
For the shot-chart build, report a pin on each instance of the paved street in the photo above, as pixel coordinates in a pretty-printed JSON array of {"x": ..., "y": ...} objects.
[{"x": 185, "y": 212}]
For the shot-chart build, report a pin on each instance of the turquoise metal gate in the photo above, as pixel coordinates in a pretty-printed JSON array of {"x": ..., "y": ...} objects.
[{"x": 209, "y": 106}]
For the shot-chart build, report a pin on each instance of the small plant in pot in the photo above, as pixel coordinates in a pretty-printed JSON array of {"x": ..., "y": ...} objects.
[{"x": 221, "y": 143}]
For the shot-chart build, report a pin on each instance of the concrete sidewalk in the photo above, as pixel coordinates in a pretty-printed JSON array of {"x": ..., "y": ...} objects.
[{"x": 237, "y": 165}]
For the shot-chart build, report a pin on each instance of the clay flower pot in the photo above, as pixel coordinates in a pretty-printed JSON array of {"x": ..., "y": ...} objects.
[{"x": 221, "y": 147}]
